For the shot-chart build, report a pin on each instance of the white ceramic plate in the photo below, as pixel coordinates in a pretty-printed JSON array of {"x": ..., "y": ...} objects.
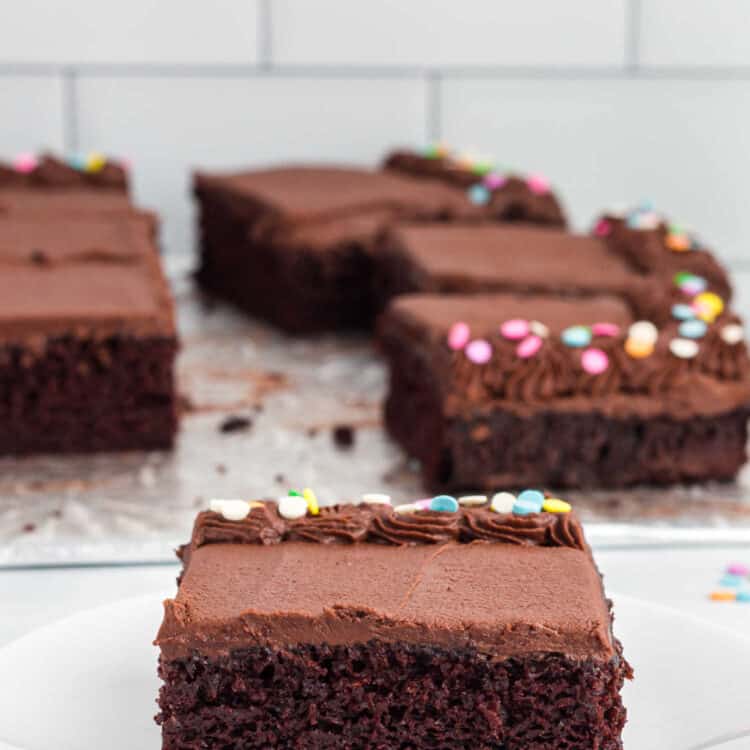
[{"x": 89, "y": 682}]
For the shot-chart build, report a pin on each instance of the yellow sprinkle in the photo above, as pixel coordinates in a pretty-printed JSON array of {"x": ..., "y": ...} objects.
[
  {"x": 255, "y": 504},
  {"x": 708, "y": 306},
  {"x": 723, "y": 596},
  {"x": 312, "y": 501},
  {"x": 639, "y": 348},
  {"x": 95, "y": 162},
  {"x": 555, "y": 505}
]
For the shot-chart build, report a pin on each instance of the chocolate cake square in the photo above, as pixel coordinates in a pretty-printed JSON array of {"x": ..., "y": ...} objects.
[
  {"x": 87, "y": 335},
  {"x": 431, "y": 625},
  {"x": 504, "y": 390}
]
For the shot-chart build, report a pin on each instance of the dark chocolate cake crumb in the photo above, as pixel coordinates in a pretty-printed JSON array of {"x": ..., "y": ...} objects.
[
  {"x": 39, "y": 257},
  {"x": 312, "y": 432},
  {"x": 280, "y": 479},
  {"x": 343, "y": 436},
  {"x": 221, "y": 469},
  {"x": 28, "y": 528},
  {"x": 235, "y": 423}
]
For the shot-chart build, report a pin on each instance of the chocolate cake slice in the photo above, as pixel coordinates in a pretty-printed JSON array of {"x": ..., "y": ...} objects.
[
  {"x": 87, "y": 335},
  {"x": 504, "y": 390},
  {"x": 431, "y": 625}
]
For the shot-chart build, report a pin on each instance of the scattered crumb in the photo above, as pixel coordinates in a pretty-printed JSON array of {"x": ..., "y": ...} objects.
[
  {"x": 28, "y": 528},
  {"x": 258, "y": 407},
  {"x": 39, "y": 257},
  {"x": 236, "y": 423},
  {"x": 343, "y": 436},
  {"x": 185, "y": 404},
  {"x": 280, "y": 479},
  {"x": 312, "y": 432},
  {"x": 221, "y": 469}
]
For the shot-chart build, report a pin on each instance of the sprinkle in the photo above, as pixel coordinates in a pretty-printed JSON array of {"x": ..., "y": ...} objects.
[
  {"x": 95, "y": 162},
  {"x": 423, "y": 504},
  {"x": 682, "y": 312},
  {"x": 494, "y": 180},
  {"x": 683, "y": 348},
  {"x": 693, "y": 285},
  {"x": 555, "y": 505},
  {"x": 528, "y": 501},
  {"x": 738, "y": 569},
  {"x": 406, "y": 508},
  {"x": 723, "y": 596},
  {"x": 479, "y": 195},
  {"x": 470, "y": 501},
  {"x": 539, "y": 329},
  {"x": 481, "y": 168},
  {"x": 292, "y": 507},
  {"x": 436, "y": 151},
  {"x": 231, "y": 510},
  {"x": 708, "y": 306},
  {"x": 255, "y": 504},
  {"x": 479, "y": 351},
  {"x": 602, "y": 228},
  {"x": 678, "y": 243},
  {"x": 638, "y": 348},
  {"x": 644, "y": 330},
  {"x": 576, "y": 336},
  {"x": 444, "y": 504},
  {"x": 376, "y": 498},
  {"x": 312, "y": 501},
  {"x": 77, "y": 162},
  {"x": 503, "y": 502},
  {"x": 732, "y": 334},
  {"x": 731, "y": 581},
  {"x": 538, "y": 184},
  {"x": 529, "y": 347},
  {"x": 643, "y": 219},
  {"x": 458, "y": 336},
  {"x": 743, "y": 596},
  {"x": 25, "y": 163},
  {"x": 294, "y": 493},
  {"x": 594, "y": 361},
  {"x": 605, "y": 329},
  {"x": 515, "y": 329},
  {"x": 692, "y": 329}
]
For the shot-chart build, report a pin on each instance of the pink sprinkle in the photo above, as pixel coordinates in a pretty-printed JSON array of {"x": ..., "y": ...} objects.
[
  {"x": 25, "y": 163},
  {"x": 691, "y": 288},
  {"x": 594, "y": 361},
  {"x": 479, "y": 351},
  {"x": 538, "y": 184},
  {"x": 494, "y": 180},
  {"x": 423, "y": 504},
  {"x": 458, "y": 336},
  {"x": 529, "y": 347},
  {"x": 515, "y": 329},
  {"x": 605, "y": 329},
  {"x": 126, "y": 165},
  {"x": 738, "y": 569},
  {"x": 603, "y": 228}
]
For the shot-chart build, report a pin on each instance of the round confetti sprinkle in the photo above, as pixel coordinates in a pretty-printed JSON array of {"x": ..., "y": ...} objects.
[
  {"x": 538, "y": 329},
  {"x": 723, "y": 596},
  {"x": 503, "y": 502},
  {"x": 692, "y": 329},
  {"x": 743, "y": 596},
  {"x": 233, "y": 510},
  {"x": 312, "y": 501},
  {"x": 708, "y": 306},
  {"x": 605, "y": 329},
  {"x": 693, "y": 285},
  {"x": 444, "y": 504},
  {"x": 436, "y": 151},
  {"x": 602, "y": 228},
  {"x": 528, "y": 501},
  {"x": 95, "y": 162},
  {"x": 515, "y": 329},
  {"x": 216, "y": 504},
  {"x": 458, "y": 335},
  {"x": 576, "y": 336},
  {"x": 494, "y": 180},
  {"x": 555, "y": 505},
  {"x": 738, "y": 569},
  {"x": 292, "y": 507},
  {"x": 406, "y": 508},
  {"x": 481, "y": 168},
  {"x": 644, "y": 330},
  {"x": 538, "y": 184},
  {"x": 594, "y": 361},
  {"x": 529, "y": 347},
  {"x": 294, "y": 493},
  {"x": 376, "y": 498},
  {"x": 683, "y": 348},
  {"x": 423, "y": 504},
  {"x": 479, "y": 195},
  {"x": 731, "y": 581},
  {"x": 470, "y": 501},
  {"x": 255, "y": 504},
  {"x": 638, "y": 348},
  {"x": 682, "y": 312},
  {"x": 678, "y": 243},
  {"x": 732, "y": 334},
  {"x": 479, "y": 351},
  {"x": 25, "y": 163}
]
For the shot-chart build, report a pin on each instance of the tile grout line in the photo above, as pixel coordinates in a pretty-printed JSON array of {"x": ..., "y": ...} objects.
[
  {"x": 632, "y": 36},
  {"x": 265, "y": 34},
  {"x": 69, "y": 110}
]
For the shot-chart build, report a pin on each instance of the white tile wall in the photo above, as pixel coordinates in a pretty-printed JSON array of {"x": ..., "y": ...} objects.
[
  {"x": 136, "y": 31},
  {"x": 446, "y": 32},
  {"x": 169, "y": 126}
]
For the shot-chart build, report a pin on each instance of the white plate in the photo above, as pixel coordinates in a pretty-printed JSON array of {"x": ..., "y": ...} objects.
[{"x": 89, "y": 682}]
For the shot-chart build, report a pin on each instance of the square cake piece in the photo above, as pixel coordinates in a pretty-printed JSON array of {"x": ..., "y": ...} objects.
[
  {"x": 87, "y": 335},
  {"x": 504, "y": 390},
  {"x": 430, "y": 625}
]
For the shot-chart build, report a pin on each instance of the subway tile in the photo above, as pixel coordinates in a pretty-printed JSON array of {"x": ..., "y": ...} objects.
[
  {"x": 444, "y": 32},
  {"x": 681, "y": 144},
  {"x": 138, "y": 31},
  {"x": 169, "y": 126},
  {"x": 695, "y": 33},
  {"x": 32, "y": 114}
]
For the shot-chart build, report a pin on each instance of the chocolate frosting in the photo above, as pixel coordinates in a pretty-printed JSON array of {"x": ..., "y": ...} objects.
[{"x": 51, "y": 172}]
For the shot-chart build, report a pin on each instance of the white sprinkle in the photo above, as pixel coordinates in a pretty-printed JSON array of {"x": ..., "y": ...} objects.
[
  {"x": 471, "y": 500},
  {"x": 502, "y": 502},
  {"x": 645, "y": 331},
  {"x": 235, "y": 510},
  {"x": 732, "y": 333},
  {"x": 618, "y": 210},
  {"x": 217, "y": 504},
  {"x": 406, "y": 508},
  {"x": 539, "y": 329},
  {"x": 376, "y": 498},
  {"x": 683, "y": 348},
  {"x": 292, "y": 506}
]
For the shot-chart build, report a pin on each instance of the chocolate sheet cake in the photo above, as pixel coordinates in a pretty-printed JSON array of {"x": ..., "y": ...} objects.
[
  {"x": 437, "y": 624},
  {"x": 504, "y": 390}
]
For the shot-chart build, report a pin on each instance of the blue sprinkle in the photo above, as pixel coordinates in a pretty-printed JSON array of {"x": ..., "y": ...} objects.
[
  {"x": 743, "y": 596},
  {"x": 683, "y": 312},
  {"x": 77, "y": 162},
  {"x": 479, "y": 195},
  {"x": 645, "y": 207},
  {"x": 528, "y": 501},
  {"x": 731, "y": 581},
  {"x": 693, "y": 329},
  {"x": 444, "y": 504},
  {"x": 576, "y": 336}
]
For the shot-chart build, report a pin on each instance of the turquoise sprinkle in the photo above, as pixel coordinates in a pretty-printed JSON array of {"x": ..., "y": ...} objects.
[
  {"x": 444, "y": 504},
  {"x": 479, "y": 195},
  {"x": 743, "y": 596},
  {"x": 576, "y": 336},
  {"x": 528, "y": 501},
  {"x": 682, "y": 312},
  {"x": 730, "y": 581},
  {"x": 693, "y": 329},
  {"x": 77, "y": 162}
]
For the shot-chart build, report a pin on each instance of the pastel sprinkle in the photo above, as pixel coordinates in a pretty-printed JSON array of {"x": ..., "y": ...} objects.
[
  {"x": 638, "y": 348},
  {"x": 693, "y": 285},
  {"x": 481, "y": 168},
  {"x": 255, "y": 504},
  {"x": 406, "y": 508},
  {"x": 723, "y": 596},
  {"x": 743, "y": 596},
  {"x": 555, "y": 505},
  {"x": 678, "y": 243},
  {"x": 95, "y": 162},
  {"x": 644, "y": 330},
  {"x": 444, "y": 504},
  {"x": 423, "y": 504},
  {"x": 231, "y": 510},
  {"x": 294, "y": 493},
  {"x": 692, "y": 329},
  {"x": 77, "y": 162},
  {"x": 515, "y": 329},
  {"x": 25, "y": 163},
  {"x": 738, "y": 569},
  {"x": 376, "y": 498},
  {"x": 494, "y": 180},
  {"x": 594, "y": 361},
  {"x": 605, "y": 329},
  {"x": 503, "y": 502},
  {"x": 528, "y": 501},
  {"x": 470, "y": 501},
  {"x": 292, "y": 507},
  {"x": 312, "y": 501},
  {"x": 731, "y": 581},
  {"x": 538, "y": 184},
  {"x": 683, "y": 348},
  {"x": 576, "y": 336},
  {"x": 539, "y": 329},
  {"x": 602, "y": 228},
  {"x": 682, "y": 312},
  {"x": 708, "y": 306},
  {"x": 529, "y": 347},
  {"x": 479, "y": 195},
  {"x": 458, "y": 335},
  {"x": 479, "y": 351},
  {"x": 732, "y": 334}
]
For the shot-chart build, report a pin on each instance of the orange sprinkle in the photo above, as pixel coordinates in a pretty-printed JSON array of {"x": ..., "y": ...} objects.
[
  {"x": 638, "y": 348},
  {"x": 723, "y": 596},
  {"x": 679, "y": 243}
]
